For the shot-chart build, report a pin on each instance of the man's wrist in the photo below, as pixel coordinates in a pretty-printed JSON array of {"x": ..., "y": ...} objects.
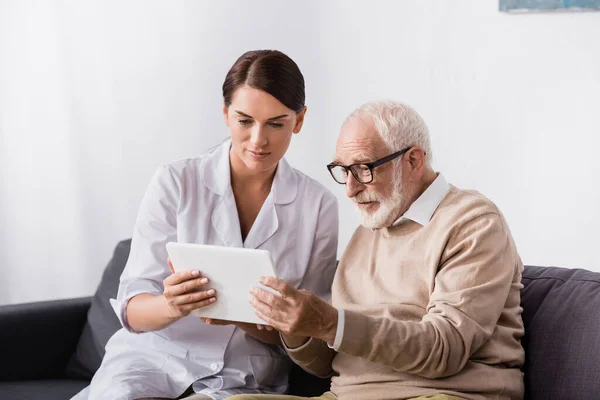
[{"x": 330, "y": 325}]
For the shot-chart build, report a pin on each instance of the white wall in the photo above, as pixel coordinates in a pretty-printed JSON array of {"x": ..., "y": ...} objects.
[{"x": 95, "y": 94}]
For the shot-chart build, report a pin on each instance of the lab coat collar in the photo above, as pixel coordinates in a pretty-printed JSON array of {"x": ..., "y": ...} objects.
[{"x": 225, "y": 218}]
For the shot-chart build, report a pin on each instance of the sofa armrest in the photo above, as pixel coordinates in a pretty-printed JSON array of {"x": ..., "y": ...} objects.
[{"x": 38, "y": 339}]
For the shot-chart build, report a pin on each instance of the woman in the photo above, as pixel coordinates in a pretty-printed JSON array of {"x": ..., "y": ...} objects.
[{"x": 243, "y": 194}]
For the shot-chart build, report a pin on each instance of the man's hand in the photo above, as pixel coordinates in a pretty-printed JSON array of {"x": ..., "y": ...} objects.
[{"x": 296, "y": 312}]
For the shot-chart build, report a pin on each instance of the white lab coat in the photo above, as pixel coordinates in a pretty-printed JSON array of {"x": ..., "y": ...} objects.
[{"x": 192, "y": 201}]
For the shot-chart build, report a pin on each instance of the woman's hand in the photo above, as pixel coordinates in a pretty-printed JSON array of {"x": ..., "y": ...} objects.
[{"x": 182, "y": 292}]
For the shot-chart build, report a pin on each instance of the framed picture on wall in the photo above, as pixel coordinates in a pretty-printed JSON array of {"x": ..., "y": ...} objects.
[{"x": 549, "y": 5}]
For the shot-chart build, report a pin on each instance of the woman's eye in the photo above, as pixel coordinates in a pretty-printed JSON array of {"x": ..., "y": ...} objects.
[
  {"x": 275, "y": 125},
  {"x": 244, "y": 122}
]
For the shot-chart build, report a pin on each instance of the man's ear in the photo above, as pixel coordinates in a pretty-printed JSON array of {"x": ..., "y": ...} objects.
[
  {"x": 226, "y": 114},
  {"x": 416, "y": 158},
  {"x": 299, "y": 120}
]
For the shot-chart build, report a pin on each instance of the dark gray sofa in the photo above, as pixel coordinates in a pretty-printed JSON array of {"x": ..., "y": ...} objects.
[{"x": 49, "y": 350}]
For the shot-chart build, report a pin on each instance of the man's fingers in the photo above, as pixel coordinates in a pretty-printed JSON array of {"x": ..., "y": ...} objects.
[
  {"x": 278, "y": 284},
  {"x": 267, "y": 297},
  {"x": 171, "y": 266},
  {"x": 265, "y": 309},
  {"x": 261, "y": 327},
  {"x": 266, "y": 318}
]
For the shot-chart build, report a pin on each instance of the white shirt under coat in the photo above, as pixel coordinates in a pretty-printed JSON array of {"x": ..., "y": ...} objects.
[{"x": 191, "y": 201}]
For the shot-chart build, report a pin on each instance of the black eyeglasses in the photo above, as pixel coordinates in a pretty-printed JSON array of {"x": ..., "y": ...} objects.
[{"x": 362, "y": 172}]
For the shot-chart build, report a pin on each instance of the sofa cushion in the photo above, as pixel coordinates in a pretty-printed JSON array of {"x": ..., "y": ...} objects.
[
  {"x": 101, "y": 322},
  {"x": 59, "y": 389},
  {"x": 561, "y": 313}
]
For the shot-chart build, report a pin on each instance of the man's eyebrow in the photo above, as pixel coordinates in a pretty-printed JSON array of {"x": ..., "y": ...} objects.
[{"x": 360, "y": 159}]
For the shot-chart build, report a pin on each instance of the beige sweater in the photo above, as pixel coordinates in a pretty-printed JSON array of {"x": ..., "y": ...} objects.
[{"x": 428, "y": 309}]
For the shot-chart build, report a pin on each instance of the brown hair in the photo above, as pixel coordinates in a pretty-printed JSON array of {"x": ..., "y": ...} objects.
[{"x": 270, "y": 71}]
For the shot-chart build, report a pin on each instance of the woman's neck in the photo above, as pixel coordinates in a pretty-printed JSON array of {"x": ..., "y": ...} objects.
[{"x": 242, "y": 177}]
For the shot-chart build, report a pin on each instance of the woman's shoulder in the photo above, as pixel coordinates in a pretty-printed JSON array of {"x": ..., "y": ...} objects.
[
  {"x": 177, "y": 174},
  {"x": 188, "y": 166}
]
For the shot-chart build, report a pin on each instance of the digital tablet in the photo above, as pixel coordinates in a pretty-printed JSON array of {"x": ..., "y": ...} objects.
[{"x": 231, "y": 271}]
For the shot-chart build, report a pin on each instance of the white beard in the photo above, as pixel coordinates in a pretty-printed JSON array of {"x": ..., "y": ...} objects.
[{"x": 388, "y": 210}]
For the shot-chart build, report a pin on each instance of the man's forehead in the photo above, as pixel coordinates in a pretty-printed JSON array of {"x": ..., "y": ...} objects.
[{"x": 359, "y": 142}]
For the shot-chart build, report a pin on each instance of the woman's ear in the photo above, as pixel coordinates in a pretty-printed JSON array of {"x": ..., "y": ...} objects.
[
  {"x": 299, "y": 120},
  {"x": 226, "y": 114}
]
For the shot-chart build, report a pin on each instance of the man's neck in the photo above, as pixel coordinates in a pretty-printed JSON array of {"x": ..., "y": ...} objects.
[
  {"x": 420, "y": 187},
  {"x": 423, "y": 185}
]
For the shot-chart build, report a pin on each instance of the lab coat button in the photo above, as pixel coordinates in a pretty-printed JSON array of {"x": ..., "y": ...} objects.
[{"x": 214, "y": 366}]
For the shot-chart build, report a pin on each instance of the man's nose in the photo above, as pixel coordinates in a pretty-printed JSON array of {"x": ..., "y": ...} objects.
[{"x": 353, "y": 187}]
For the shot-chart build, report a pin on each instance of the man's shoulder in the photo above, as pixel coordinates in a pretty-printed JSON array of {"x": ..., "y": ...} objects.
[{"x": 461, "y": 205}]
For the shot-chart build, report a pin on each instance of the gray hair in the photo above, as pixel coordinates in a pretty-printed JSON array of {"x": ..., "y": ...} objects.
[{"x": 399, "y": 125}]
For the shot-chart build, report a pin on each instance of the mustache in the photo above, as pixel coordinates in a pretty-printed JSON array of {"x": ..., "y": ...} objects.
[{"x": 363, "y": 197}]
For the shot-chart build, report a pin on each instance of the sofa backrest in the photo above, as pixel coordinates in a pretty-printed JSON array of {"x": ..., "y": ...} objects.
[
  {"x": 561, "y": 312},
  {"x": 101, "y": 321}
]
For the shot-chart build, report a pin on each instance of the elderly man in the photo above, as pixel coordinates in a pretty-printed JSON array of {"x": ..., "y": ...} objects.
[{"x": 426, "y": 298}]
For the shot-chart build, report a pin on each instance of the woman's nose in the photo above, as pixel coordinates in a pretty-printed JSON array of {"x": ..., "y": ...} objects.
[{"x": 258, "y": 136}]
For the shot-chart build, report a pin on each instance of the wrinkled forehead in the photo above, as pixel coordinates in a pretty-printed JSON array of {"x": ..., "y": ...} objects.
[{"x": 359, "y": 142}]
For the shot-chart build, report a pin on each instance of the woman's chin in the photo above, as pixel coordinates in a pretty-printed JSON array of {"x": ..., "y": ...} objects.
[{"x": 259, "y": 165}]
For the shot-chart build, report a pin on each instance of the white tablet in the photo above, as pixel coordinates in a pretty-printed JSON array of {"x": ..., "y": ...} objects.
[{"x": 231, "y": 271}]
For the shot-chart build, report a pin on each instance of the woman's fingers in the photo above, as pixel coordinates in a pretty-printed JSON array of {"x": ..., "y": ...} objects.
[
  {"x": 182, "y": 276},
  {"x": 194, "y": 297},
  {"x": 186, "y": 287},
  {"x": 213, "y": 321},
  {"x": 187, "y": 308}
]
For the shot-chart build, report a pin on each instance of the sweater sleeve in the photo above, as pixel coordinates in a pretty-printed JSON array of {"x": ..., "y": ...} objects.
[
  {"x": 315, "y": 357},
  {"x": 470, "y": 290}
]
